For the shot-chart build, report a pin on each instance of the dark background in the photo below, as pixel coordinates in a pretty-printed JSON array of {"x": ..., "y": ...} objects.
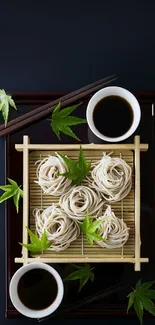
[{"x": 48, "y": 46}]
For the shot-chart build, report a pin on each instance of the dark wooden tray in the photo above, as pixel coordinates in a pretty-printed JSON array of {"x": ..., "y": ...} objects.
[{"x": 106, "y": 274}]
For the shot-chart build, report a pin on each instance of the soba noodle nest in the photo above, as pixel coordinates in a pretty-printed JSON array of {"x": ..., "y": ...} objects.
[
  {"x": 79, "y": 200},
  {"x": 48, "y": 176},
  {"x": 60, "y": 229},
  {"x": 112, "y": 177},
  {"x": 113, "y": 230}
]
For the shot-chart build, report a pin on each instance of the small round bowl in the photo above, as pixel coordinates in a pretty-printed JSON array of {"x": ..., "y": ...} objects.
[
  {"x": 14, "y": 294},
  {"x": 113, "y": 91}
]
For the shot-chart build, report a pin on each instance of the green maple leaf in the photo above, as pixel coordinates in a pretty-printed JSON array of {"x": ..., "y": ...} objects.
[
  {"x": 5, "y": 102},
  {"x": 83, "y": 273},
  {"x": 11, "y": 190},
  {"x": 89, "y": 228},
  {"x": 37, "y": 245},
  {"x": 141, "y": 297},
  {"x": 61, "y": 121},
  {"x": 76, "y": 170}
]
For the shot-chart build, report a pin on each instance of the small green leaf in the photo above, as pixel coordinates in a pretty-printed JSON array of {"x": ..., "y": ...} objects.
[
  {"x": 75, "y": 275},
  {"x": 138, "y": 285},
  {"x": 32, "y": 248},
  {"x": 33, "y": 237},
  {"x": 131, "y": 300},
  {"x": 148, "y": 284},
  {"x": 91, "y": 275},
  {"x": 6, "y": 188},
  {"x": 77, "y": 171},
  {"x": 61, "y": 121},
  {"x": 16, "y": 199},
  {"x": 83, "y": 281},
  {"x": 148, "y": 305},
  {"x": 138, "y": 306},
  {"x": 89, "y": 228},
  {"x": 11, "y": 190},
  {"x": 12, "y": 182},
  {"x": 1, "y": 106},
  {"x": 44, "y": 241},
  {"x": 11, "y": 102},
  {"x": 72, "y": 120},
  {"x": 5, "y": 102},
  {"x": 83, "y": 273},
  {"x": 68, "y": 110},
  {"x": 141, "y": 297},
  {"x": 55, "y": 130},
  {"x": 37, "y": 245},
  {"x": 5, "y": 112},
  {"x": 7, "y": 195},
  {"x": 149, "y": 294},
  {"x": 67, "y": 130},
  {"x": 83, "y": 164},
  {"x": 55, "y": 113},
  {"x": 95, "y": 225},
  {"x": 21, "y": 192},
  {"x": 93, "y": 237},
  {"x": 86, "y": 223},
  {"x": 71, "y": 164}
]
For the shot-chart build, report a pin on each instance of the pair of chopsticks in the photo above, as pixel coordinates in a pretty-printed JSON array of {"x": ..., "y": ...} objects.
[
  {"x": 45, "y": 110},
  {"x": 88, "y": 300}
]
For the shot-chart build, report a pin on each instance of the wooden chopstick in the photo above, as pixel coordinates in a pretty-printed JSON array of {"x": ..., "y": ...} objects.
[
  {"x": 45, "y": 110},
  {"x": 55, "y": 102}
]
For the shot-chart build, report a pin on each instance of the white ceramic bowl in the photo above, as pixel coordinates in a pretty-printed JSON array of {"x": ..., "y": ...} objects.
[
  {"x": 14, "y": 294},
  {"x": 114, "y": 91}
]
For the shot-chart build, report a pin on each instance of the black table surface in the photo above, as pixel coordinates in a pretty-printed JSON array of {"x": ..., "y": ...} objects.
[
  {"x": 60, "y": 46},
  {"x": 106, "y": 275}
]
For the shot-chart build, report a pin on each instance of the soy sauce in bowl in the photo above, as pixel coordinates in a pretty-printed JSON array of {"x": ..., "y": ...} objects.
[
  {"x": 113, "y": 116},
  {"x": 37, "y": 289}
]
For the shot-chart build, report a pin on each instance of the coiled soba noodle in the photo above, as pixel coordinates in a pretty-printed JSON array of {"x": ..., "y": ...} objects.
[
  {"x": 60, "y": 229},
  {"x": 79, "y": 200},
  {"x": 48, "y": 176},
  {"x": 112, "y": 177},
  {"x": 113, "y": 230}
]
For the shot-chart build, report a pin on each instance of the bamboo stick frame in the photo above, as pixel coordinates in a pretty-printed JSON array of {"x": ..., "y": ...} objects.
[
  {"x": 137, "y": 204},
  {"x": 78, "y": 260},
  {"x": 26, "y": 141},
  {"x": 136, "y": 147}
]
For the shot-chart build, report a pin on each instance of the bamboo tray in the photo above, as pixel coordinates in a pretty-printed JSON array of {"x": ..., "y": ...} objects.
[{"x": 128, "y": 209}]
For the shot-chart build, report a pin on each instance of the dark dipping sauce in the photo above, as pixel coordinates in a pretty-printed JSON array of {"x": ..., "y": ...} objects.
[
  {"x": 113, "y": 116},
  {"x": 37, "y": 289}
]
